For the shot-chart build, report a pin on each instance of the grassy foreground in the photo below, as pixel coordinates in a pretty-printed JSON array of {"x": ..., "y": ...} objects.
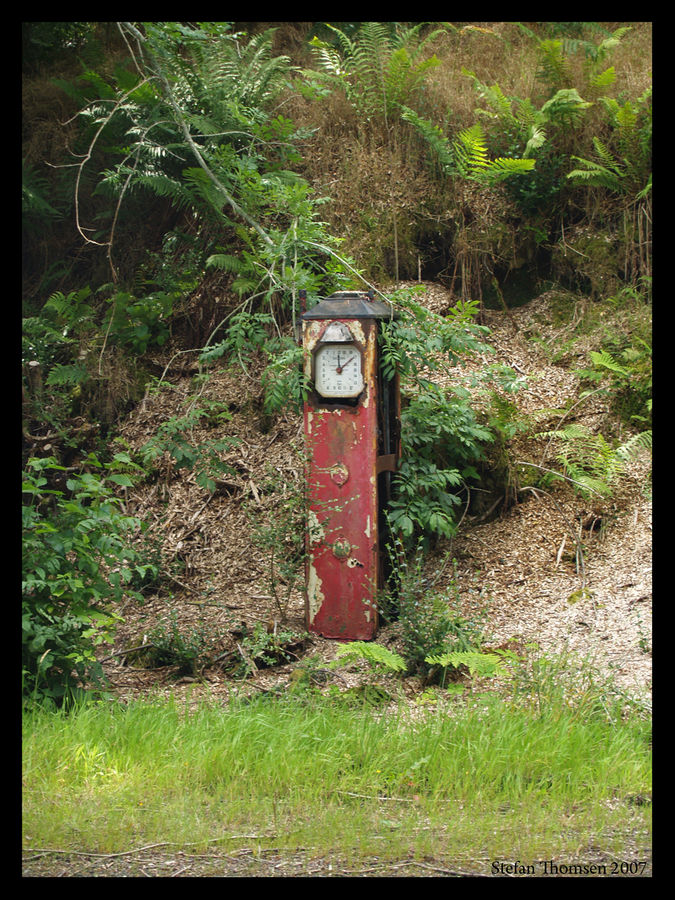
[{"x": 489, "y": 782}]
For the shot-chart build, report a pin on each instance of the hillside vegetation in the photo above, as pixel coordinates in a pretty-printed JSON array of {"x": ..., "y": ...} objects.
[{"x": 183, "y": 182}]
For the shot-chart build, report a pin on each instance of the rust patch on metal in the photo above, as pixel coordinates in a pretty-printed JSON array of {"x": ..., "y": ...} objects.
[{"x": 343, "y": 564}]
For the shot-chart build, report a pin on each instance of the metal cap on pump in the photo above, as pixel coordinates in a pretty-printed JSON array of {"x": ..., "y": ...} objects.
[{"x": 351, "y": 305}]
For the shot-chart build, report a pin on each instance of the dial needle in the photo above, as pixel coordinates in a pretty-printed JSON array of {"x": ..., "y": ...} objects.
[{"x": 340, "y": 368}]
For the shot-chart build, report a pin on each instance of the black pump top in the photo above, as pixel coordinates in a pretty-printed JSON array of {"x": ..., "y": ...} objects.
[{"x": 351, "y": 305}]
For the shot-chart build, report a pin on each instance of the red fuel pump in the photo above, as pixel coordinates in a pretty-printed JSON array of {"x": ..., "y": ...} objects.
[{"x": 351, "y": 421}]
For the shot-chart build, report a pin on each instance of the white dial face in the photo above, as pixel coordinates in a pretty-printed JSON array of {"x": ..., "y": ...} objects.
[{"x": 337, "y": 371}]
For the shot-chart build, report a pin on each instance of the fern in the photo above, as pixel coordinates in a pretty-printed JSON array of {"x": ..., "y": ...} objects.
[
  {"x": 480, "y": 664},
  {"x": 566, "y": 107},
  {"x": 627, "y": 171},
  {"x": 380, "y": 69},
  {"x": 608, "y": 172},
  {"x": 227, "y": 262},
  {"x": 68, "y": 309},
  {"x": 586, "y": 458},
  {"x": 604, "y": 359},
  {"x": 162, "y": 186},
  {"x": 467, "y": 155},
  {"x": 434, "y": 137},
  {"x": 375, "y": 654},
  {"x": 499, "y": 103},
  {"x": 243, "y": 267},
  {"x": 33, "y": 188},
  {"x": 470, "y": 150},
  {"x": 66, "y": 376},
  {"x": 600, "y": 53},
  {"x": 471, "y": 154},
  {"x": 328, "y": 59},
  {"x": 603, "y": 81},
  {"x": 219, "y": 78},
  {"x": 285, "y": 384},
  {"x": 555, "y": 67},
  {"x": 635, "y": 445}
]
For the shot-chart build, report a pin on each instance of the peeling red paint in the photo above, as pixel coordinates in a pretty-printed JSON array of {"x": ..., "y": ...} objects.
[{"x": 342, "y": 565}]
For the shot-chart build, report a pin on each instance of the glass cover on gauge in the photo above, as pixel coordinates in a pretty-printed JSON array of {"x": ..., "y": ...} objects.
[{"x": 337, "y": 370}]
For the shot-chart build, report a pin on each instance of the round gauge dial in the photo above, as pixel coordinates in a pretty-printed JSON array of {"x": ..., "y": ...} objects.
[{"x": 338, "y": 370}]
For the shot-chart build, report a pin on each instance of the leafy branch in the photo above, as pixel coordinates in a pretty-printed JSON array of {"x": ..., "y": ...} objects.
[{"x": 180, "y": 119}]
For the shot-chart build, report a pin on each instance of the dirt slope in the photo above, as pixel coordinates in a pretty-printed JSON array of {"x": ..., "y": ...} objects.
[{"x": 520, "y": 569}]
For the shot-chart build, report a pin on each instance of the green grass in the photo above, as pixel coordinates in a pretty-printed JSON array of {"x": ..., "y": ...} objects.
[{"x": 492, "y": 780}]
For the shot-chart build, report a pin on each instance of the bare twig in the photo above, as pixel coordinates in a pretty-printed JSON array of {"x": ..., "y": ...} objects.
[
  {"x": 42, "y": 851},
  {"x": 522, "y": 462},
  {"x": 87, "y": 156},
  {"x": 581, "y": 569},
  {"x": 128, "y": 650},
  {"x": 247, "y": 659}
]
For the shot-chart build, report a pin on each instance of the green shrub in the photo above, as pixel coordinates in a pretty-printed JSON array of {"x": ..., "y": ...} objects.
[
  {"x": 586, "y": 458},
  {"x": 174, "y": 437},
  {"x": 430, "y": 620},
  {"x": 481, "y": 664},
  {"x": 441, "y": 437},
  {"x": 77, "y": 563},
  {"x": 140, "y": 322}
]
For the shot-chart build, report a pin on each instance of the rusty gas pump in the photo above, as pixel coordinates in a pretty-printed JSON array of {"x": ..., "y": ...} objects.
[{"x": 352, "y": 433}]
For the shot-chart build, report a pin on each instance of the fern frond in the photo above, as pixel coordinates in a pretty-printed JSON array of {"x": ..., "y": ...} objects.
[
  {"x": 472, "y": 158},
  {"x": 408, "y": 37},
  {"x": 554, "y": 64},
  {"x": 376, "y": 654},
  {"x": 65, "y": 376},
  {"x": 634, "y": 445},
  {"x": 606, "y": 361},
  {"x": 33, "y": 186},
  {"x": 481, "y": 664},
  {"x": 647, "y": 189},
  {"x": 164, "y": 186},
  {"x": 526, "y": 113},
  {"x": 595, "y": 174},
  {"x": 606, "y": 156},
  {"x": 244, "y": 284},
  {"x": 565, "y": 107},
  {"x": 586, "y": 458},
  {"x": 626, "y": 116},
  {"x": 494, "y": 96},
  {"x": 327, "y": 58},
  {"x": 612, "y": 41},
  {"x": 536, "y": 139},
  {"x": 203, "y": 187},
  {"x": 69, "y": 308},
  {"x": 227, "y": 262},
  {"x": 374, "y": 41},
  {"x": 503, "y": 167},
  {"x": 603, "y": 81},
  {"x": 470, "y": 150},
  {"x": 346, "y": 45},
  {"x": 434, "y": 136}
]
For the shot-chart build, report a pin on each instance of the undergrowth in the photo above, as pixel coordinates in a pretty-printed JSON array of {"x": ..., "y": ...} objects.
[{"x": 500, "y": 776}]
